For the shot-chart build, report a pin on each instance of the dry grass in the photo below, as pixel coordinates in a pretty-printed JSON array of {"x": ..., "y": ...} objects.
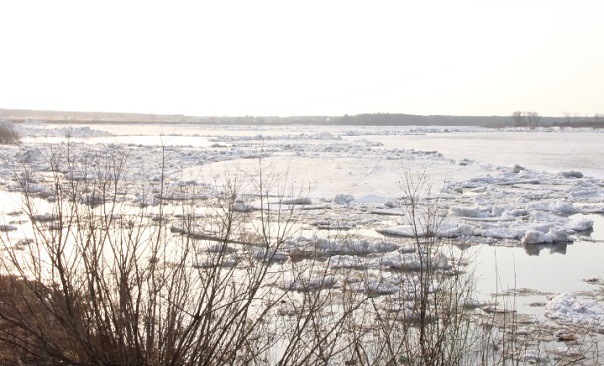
[{"x": 24, "y": 318}]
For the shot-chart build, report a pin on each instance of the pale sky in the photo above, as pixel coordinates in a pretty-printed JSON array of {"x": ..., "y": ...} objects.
[{"x": 326, "y": 57}]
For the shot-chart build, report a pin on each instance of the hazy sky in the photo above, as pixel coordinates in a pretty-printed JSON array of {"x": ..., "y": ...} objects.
[{"x": 309, "y": 57}]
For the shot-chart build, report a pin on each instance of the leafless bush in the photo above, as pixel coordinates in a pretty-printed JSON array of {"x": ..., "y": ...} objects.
[
  {"x": 105, "y": 282},
  {"x": 179, "y": 280},
  {"x": 425, "y": 323},
  {"x": 8, "y": 135}
]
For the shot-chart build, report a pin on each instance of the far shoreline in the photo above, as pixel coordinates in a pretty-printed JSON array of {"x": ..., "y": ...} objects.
[{"x": 369, "y": 119}]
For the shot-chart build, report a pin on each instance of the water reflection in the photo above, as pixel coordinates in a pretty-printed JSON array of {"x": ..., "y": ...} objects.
[{"x": 535, "y": 249}]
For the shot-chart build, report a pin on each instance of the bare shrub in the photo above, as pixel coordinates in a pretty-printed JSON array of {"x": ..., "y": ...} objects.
[
  {"x": 8, "y": 135},
  {"x": 423, "y": 323},
  {"x": 106, "y": 282},
  {"x": 176, "y": 279}
]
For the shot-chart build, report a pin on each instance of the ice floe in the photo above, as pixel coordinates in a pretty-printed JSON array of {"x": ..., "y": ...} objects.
[
  {"x": 569, "y": 309},
  {"x": 355, "y": 189},
  {"x": 514, "y": 203},
  {"x": 36, "y": 128}
]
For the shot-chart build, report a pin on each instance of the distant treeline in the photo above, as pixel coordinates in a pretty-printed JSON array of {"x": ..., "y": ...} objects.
[
  {"x": 388, "y": 119},
  {"x": 530, "y": 119}
]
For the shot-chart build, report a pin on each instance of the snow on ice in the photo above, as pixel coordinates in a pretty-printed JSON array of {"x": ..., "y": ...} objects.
[
  {"x": 355, "y": 187},
  {"x": 509, "y": 203},
  {"x": 569, "y": 309}
]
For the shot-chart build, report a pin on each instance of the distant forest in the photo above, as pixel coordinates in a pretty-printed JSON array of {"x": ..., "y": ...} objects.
[{"x": 517, "y": 118}]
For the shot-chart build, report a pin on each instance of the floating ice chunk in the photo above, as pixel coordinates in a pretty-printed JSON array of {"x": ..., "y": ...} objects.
[
  {"x": 94, "y": 198},
  {"x": 41, "y": 129},
  {"x": 571, "y": 174},
  {"x": 584, "y": 238},
  {"x": 536, "y": 237},
  {"x": 377, "y": 200},
  {"x": 503, "y": 233},
  {"x": 345, "y": 261},
  {"x": 560, "y": 207},
  {"x": 568, "y": 352},
  {"x": 144, "y": 200},
  {"x": 324, "y": 247},
  {"x": 312, "y": 284},
  {"x": 328, "y": 225},
  {"x": 296, "y": 201},
  {"x": 392, "y": 204},
  {"x": 465, "y": 162},
  {"x": 467, "y": 212},
  {"x": 471, "y": 303},
  {"x": 387, "y": 211},
  {"x": 563, "y": 207},
  {"x": 44, "y": 217},
  {"x": 580, "y": 224},
  {"x": 440, "y": 261},
  {"x": 559, "y": 235},
  {"x": 565, "y": 308},
  {"x": 376, "y": 286},
  {"x": 591, "y": 208},
  {"x": 7, "y": 228},
  {"x": 30, "y": 155},
  {"x": 461, "y": 230},
  {"x": 514, "y": 214},
  {"x": 444, "y": 231},
  {"x": 343, "y": 198},
  {"x": 270, "y": 255},
  {"x": 406, "y": 231},
  {"x": 399, "y": 261},
  {"x": 497, "y": 211},
  {"x": 517, "y": 168},
  {"x": 553, "y": 235},
  {"x": 533, "y": 356},
  {"x": 411, "y": 261},
  {"x": 228, "y": 261},
  {"x": 545, "y": 219},
  {"x": 361, "y": 247},
  {"x": 76, "y": 175},
  {"x": 457, "y": 190},
  {"x": 242, "y": 207},
  {"x": 367, "y": 246},
  {"x": 585, "y": 189},
  {"x": 220, "y": 248}
]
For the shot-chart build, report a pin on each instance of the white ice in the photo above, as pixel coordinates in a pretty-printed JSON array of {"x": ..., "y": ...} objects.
[
  {"x": 569, "y": 309},
  {"x": 347, "y": 179}
]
